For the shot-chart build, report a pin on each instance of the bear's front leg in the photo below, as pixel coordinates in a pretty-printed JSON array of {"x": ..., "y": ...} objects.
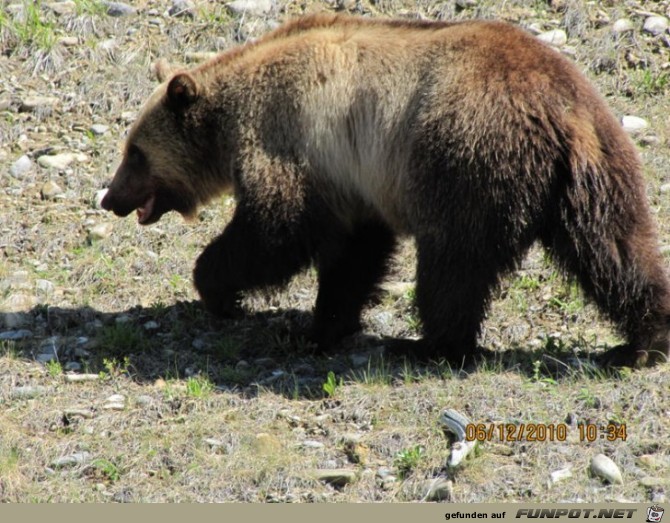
[
  {"x": 218, "y": 293},
  {"x": 249, "y": 254}
]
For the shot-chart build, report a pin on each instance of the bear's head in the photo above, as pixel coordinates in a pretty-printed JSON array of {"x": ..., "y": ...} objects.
[{"x": 170, "y": 161}]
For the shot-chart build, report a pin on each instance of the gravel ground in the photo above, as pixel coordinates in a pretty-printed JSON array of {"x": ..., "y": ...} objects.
[{"x": 116, "y": 386}]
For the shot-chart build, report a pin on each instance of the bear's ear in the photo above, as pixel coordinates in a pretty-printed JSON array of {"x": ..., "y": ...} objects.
[{"x": 182, "y": 91}]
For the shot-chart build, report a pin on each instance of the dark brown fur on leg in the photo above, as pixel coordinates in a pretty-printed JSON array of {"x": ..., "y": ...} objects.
[
  {"x": 350, "y": 267},
  {"x": 245, "y": 257}
]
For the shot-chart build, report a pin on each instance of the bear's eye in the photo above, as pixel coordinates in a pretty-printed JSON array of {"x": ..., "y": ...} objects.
[{"x": 135, "y": 155}]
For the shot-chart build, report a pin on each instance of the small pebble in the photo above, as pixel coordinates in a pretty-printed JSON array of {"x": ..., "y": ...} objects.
[
  {"x": 606, "y": 469},
  {"x": 50, "y": 190},
  {"x": 34, "y": 103},
  {"x": 181, "y": 8},
  {"x": 28, "y": 392},
  {"x": 655, "y": 25},
  {"x": 633, "y": 124},
  {"x": 335, "y": 477},
  {"x": 99, "y": 129},
  {"x": 119, "y": 9},
  {"x": 100, "y": 231},
  {"x": 16, "y": 335},
  {"x": 68, "y": 41},
  {"x": 21, "y": 166},
  {"x": 251, "y": 7},
  {"x": 77, "y": 411},
  {"x": 74, "y": 378},
  {"x": 65, "y": 7},
  {"x": 556, "y": 37},
  {"x": 560, "y": 475},
  {"x": 623, "y": 25},
  {"x": 311, "y": 444},
  {"x": 78, "y": 458}
]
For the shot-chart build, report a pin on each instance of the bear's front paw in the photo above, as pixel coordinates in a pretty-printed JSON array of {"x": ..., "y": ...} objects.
[
  {"x": 327, "y": 335},
  {"x": 628, "y": 356},
  {"x": 223, "y": 304}
]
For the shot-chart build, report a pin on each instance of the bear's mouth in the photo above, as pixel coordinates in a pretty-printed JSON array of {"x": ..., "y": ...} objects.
[{"x": 145, "y": 211}]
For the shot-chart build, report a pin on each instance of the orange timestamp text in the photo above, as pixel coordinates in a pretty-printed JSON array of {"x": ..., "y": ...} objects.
[{"x": 505, "y": 432}]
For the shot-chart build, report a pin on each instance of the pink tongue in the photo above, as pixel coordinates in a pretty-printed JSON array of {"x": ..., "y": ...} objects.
[{"x": 144, "y": 212}]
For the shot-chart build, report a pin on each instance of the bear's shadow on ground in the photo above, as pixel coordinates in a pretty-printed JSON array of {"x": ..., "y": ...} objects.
[{"x": 259, "y": 351}]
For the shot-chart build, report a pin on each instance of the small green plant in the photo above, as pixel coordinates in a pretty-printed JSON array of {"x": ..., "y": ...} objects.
[
  {"x": 651, "y": 84},
  {"x": 122, "y": 338},
  {"x": 31, "y": 29},
  {"x": 228, "y": 348},
  {"x": 589, "y": 399},
  {"x": 105, "y": 469},
  {"x": 537, "y": 375},
  {"x": 54, "y": 369},
  {"x": 89, "y": 7},
  {"x": 331, "y": 385},
  {"x": 407, "y": 460},
  {"x": 378, "y": 372},
  {"x": 115, "y": 368},
  {"x": 8, "y": 349},
  {"x": 198, "y": 387},
  {"x": 9, "y": 460}
]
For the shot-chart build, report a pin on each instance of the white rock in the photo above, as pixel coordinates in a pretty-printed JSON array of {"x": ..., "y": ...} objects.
[
  {"x": 605, "y": 468},
  {"x": 33, "y": 103},
  {"x": 20, "y": 166},
  {"x": 556, "y": 37},
  {"x": 74, "y": 378},
  {"x": 100, "y": 231},
  {"x": 212, "y": 442},
  {"x": 312, "y": 444},
  {"x": 68, "y": 41},
  {"x": 252, "y": 7},
  {"x": 560, "y": 475},
  {"x": 633, "y": 124},
  {"x": 56, "y": 161},
  {"x": 623, "y": 25},
  {"x": 656, "y": 25},
  {"x": 115, "y": 402},
  {"x": 99, "y": 129}
]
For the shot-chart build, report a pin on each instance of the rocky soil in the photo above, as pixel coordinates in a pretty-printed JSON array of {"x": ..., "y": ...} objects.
[{"x": 116, "y": 386}]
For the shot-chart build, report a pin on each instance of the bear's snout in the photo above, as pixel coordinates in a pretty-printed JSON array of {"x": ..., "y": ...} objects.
[{"x": 111, "y": 202}]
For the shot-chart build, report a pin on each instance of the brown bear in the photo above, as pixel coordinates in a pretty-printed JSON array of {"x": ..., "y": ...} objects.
[{"x": 339, "y": 134}]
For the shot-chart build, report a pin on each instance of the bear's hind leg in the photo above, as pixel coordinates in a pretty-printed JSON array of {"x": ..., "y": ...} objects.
[
  {"x": 350, "y": 266},
  {"x": 454, "y": 285},
  {"x": 616, "y": 260}
]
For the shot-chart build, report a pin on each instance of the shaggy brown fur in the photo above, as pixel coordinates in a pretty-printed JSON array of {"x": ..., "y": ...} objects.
[{"x": 337, "y": 134}]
